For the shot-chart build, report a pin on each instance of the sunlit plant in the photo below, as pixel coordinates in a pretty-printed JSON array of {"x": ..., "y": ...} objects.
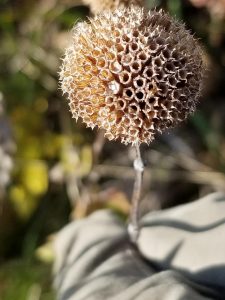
[{"x": 133, "y": 73}]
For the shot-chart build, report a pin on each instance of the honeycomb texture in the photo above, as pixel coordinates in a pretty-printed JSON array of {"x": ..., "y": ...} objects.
[
  {"x": 133, "y": 73},
  {"x": 98, "y": 6}
]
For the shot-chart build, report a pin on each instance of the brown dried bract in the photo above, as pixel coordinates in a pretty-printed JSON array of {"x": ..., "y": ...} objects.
[{"x": 133, "y": 73}]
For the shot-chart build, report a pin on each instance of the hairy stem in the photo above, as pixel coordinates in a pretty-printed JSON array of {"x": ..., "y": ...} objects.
[{"x": 133, "y": 227}]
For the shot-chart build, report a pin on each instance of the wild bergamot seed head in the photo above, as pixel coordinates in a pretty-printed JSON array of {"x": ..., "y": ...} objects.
[{"x": 132, "y": 72}]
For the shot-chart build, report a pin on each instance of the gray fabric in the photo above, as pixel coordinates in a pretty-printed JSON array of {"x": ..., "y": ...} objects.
[{"x": 180, "y": 255}]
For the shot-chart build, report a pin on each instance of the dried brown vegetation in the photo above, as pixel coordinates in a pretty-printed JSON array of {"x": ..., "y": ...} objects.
[{"x": 133, "y": 73}]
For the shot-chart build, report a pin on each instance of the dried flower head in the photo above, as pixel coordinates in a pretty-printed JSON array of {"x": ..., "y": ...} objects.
[
  {"x": 133, "y": 73},
  {"x": 98, "y": 6}
]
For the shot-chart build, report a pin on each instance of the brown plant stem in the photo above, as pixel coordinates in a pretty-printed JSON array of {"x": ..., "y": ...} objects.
[{"x": 133, "y": 227}]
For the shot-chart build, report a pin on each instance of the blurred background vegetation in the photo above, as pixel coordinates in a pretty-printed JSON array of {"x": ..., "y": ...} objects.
[{"x": 53, "y": 170}]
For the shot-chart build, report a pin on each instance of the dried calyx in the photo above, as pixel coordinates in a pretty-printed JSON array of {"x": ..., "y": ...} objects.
[{"x": 133, "y": 73}]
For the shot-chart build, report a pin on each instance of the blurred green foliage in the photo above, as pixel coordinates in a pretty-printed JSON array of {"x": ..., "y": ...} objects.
[
  {"x": 57, "y": 162},
  {"x": 21, "y": 280}
]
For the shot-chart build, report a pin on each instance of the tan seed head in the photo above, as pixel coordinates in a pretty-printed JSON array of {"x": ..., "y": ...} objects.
[{"x": 133, "y": 73}]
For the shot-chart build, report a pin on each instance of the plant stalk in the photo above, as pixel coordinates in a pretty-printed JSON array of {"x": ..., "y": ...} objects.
[{"x": 133, "y": 227}]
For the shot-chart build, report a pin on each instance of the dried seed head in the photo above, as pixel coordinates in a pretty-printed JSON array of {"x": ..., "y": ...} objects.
[
  {"x": 98, "y": 6},
  {"x": 133, "y": 73}
]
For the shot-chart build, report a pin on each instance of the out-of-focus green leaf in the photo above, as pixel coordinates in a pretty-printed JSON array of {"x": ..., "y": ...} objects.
[
  {"x": 19, "y": 86},
  {"x": 208, "y": 135},
  {"x": 174, "y": 7},
  {"x": 20, "y": 278},
  {"x": 6, "y": 19},
  {"x": 71, "y": 16}
]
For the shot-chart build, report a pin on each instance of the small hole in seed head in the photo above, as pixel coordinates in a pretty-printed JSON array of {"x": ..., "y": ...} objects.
[
  {"x": 142, "y": 56},
  {"x": 173, "y": 114},
  {"x": 163, "y": 114},
  {"x": 183, "y": 61},
  {"x": 140, "y": 95},
  {"x": 158, "y": 62},
  {"x": 125, "y": 77},
  {"x": 163, "y": 88},
  {"x": 121, "y": 104},
  {"x": 137, "y": 122},
  {"x": 176, "y": 94},
  {"x": 189, "y": 104},
  {"x": 153, "y": 45},
  {"x": 175, "y": 55},
  {"x": 109, "y": 100},
  {"x": 170, "y": 47},
  {"x": 160, "y": 75},
  {"x": 150, "y": 86},
  {"x": 129, "y": 93},
  {"x": 166, "y": 54},
  {"x": 126, "y": 38},
  {"x": 176, "y": 63},
  {"x": 134, "y": 46},
  {"x": 108, "y": 44},
  {"x": 140, "y": 82},
  {"x": 96, "y": 52},
  {"x": 142, "y": 105},
  {"x": 135, "y": 33},
  {"x": 127, "y": 121},
  {"x": 133, "y": 132},
  {"x": 101, "y": 62},
  {"x": 118, "y": 40},
  {"x": 169, "y": 123},
  {"x": 148, "y": 73},
  {"x": 181, "y": 84},
  {"x": 147, "y": 124},
  {"x": 182, "y": 115},
  {"x": 134, "y": 107},
  {"x": 120, "y": 48},
  {"x": 170, "y": 67},
  {"x": 160, "y": 41},
  {"x": 119, "y": 57},
  {"x": 172, "y": 81},
  {"x": 151, "y": 114},
  {"x": 112, "y": 107},
  {"x": 182, "y": 74},
  {"x": 116, "y": 33},
  {"x": 151, "y": 100},
  {"x": 135, "y": 66},
  {"x": 182, "y": 98},
  {"x": 168, "y": 104},
  {"x": 155, "y": 120},
  {"x": 178, "y": 105}
]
